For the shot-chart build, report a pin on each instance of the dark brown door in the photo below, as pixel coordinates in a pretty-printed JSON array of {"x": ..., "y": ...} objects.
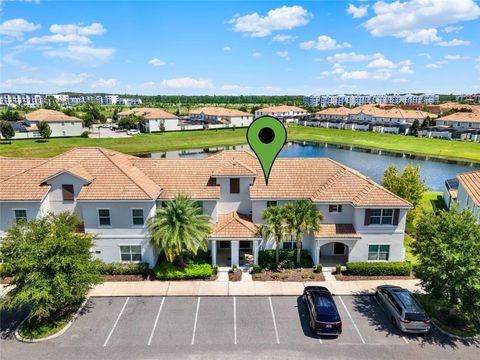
[{"x": 338, "y": 248}]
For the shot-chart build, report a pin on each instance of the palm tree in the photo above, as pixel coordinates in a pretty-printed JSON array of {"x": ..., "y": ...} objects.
[
  {"x": 302, "y": 217},
  {"x": 179, "y": 226},
  {"x": 275, "y": 226}
]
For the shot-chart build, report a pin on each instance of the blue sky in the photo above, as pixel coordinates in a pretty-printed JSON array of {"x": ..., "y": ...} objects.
[{"x": 234, "y": 47}]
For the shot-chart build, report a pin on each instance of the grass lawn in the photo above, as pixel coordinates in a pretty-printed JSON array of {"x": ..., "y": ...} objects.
[
  {"x": 224, "y": 137},
  {"x": 454, "y": 324},
  {"x": 32, "y": 329}
]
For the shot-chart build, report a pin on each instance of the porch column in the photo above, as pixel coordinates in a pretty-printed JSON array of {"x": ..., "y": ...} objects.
[
  {"x": 256, "y": 245},
  {"x": 235, "y": 249},
  {"x": 213, "y": 245},
  {"x": 316, "y": 253}
]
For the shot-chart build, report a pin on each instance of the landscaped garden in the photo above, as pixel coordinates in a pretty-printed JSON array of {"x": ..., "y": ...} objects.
[
  {"x": 374, "y": 271},
  {"x": 194, "y": 267}
]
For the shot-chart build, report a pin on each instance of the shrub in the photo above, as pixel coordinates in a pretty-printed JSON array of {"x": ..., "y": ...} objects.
[
  {"x": 276, "y": 276},
  {"x": 287, "y": 264},
  {"x": 256, "y": 269},
  {"x": 84, "y": 134},
  {"x": 168, "y": 271},
  {"x": 379, "y": 268},
  {"x": 215, "y": 269},
  {"x": 338, "y": 269},
  {"x": 122, "y": 268},
  {"x": 266, "y": 258},
  {"x": 318, "y": 268}
]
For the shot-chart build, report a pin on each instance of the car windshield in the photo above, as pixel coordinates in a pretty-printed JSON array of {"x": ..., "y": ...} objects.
[
  {"x": 325, "y": 307},
  {"x": 413, "y": 310}
]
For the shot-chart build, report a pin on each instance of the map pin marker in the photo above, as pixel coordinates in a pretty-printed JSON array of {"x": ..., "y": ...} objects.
[{"x": 266, "y": 136}]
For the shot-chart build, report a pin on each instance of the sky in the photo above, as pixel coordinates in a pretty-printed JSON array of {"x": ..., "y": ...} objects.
[{"x": 240, "y": 47}]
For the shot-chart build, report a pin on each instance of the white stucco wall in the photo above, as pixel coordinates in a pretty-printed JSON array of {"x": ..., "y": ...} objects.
[
  {"x": 170, "y": 124},
  {"x": 71, "y": 128},
  {"x": 234, "y": 202},
  {"x": 7, "y": 213},
  {"x": 464, "y": 202}
]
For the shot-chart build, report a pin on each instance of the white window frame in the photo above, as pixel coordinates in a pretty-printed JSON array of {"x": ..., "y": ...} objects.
[
  {"x": 382, "y": 216},
  {"x": 143, "y": 217},
  {"x": 131, "y": 253},
  {"x": 109, "y": 216},
  {"x": 15, "y": 215},
  {"x": 378, "y": 252},
  {"x": 336, "y": 208}
]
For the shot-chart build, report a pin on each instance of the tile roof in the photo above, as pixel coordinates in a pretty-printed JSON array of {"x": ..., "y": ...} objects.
[
  {"x": 471, "y": 183},
  {"x": 336, "y": 231},
  {"x": 49, "y": 116},
  {"x": 148, "y": 113},
  {"x": 471, "y": 117},
  {"x": 219, "y": 111},
  {"x": 117, "y": 176},
  {"x": 234, "y": 225},
  {"x": 399, "y": 113},
  {"x": 282, "y": 108},
  {"x": 336, "y": 111}
]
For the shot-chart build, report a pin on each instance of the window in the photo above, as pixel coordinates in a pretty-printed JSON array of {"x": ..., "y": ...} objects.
[
  {"x": 335, "y": 208},
  {"x": 131, "y": 253},
  {"x": 104, "y": 217},
  {"x": 381, "y": 216},
  {"x": 137, "y": 217},
  {"x": 20, "y": 215},
  {"x": 271, "y": 203},
  {"x": 68, "y": 193},
  {"x": 234, "y": 186},
  {"x": 378, "y": 252},
  {"x": 290, "y": 243}
]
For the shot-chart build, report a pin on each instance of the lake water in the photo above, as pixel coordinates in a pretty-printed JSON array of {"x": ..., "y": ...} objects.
[{"x": 369, "y": 162}]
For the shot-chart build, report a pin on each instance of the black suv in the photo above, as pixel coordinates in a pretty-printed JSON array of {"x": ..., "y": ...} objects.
[{"x": 324, "y": 317}]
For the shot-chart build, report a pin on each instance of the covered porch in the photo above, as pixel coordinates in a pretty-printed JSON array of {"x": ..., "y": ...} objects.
[{"x": 333, "y": 244}]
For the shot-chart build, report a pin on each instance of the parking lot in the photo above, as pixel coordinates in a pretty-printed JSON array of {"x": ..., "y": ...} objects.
[{"x": 215, "y": 324}]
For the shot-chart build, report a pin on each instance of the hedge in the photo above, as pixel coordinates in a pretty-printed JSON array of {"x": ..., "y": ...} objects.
[
  {"x": 122, "y": 268},
  {"x": 168, "y": 271},
  {"x": 379, "y": 268},
  {"x": 266, "y": 259}
]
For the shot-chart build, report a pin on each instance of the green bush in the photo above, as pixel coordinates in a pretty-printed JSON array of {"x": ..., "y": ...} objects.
[
  {"x": 338, "y": 269},
  {"x": 256, "y": 269},
  {"x": 266, "y": 258},
  {"x": 379, "y": 268},
  {"x": 84, "y": 134},
  {"x": 318, "y": 268},
  {"x": 168, "y": 271},
  {"x": 122, "y": 268},
  {"x": 215, "y": 269}
]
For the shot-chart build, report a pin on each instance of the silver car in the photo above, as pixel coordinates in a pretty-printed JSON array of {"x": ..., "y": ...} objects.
[{"x": 404, "y": 310}]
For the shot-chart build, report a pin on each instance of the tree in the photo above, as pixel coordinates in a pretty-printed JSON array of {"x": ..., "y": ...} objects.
[
  {"x": 51, "y": 103},
  {"x": 162, "y": 126},
  {"x": 6, "y": 130},
  {"x": 130, "y": 122},
  {"x": 10, "y": 115},
  {"x": 93, "y": 110},
  {"x": 51, "y": 266},
  {"x": 302, "y": 216},
  {"x": 179, "y": 226},
  {"x": 415, "y": 127},
  {"x": 409, "y": 186},
  {"x": 275, "y": 227},
  {"x": 69, "y": 112},
  {"x": 88, "y": 120},
  {"x": 448, "y": 250},
  {"x": 44, "y": 129}
]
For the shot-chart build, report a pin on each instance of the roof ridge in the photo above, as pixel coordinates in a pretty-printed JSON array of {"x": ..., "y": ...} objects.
[{"x": 329, "y": 182}]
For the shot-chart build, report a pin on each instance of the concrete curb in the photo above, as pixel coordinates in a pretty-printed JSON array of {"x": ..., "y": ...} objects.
[
  {"x": 456, "y": 337},
  {"x": 61, "y": 332}
]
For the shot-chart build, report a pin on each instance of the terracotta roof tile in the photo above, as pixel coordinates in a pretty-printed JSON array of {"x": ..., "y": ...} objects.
[
  {"x": 336, "y": 231},
  {"x": 471, "y": 183},
  {"x": 473, "y": 117},
  {"x": 49, "y": 115},
  {"x": 234, "y": 168},
  {"x": 234, "y": 225},
  {"x": 282, "y": 108},
  {"x": 219, "y": 111},
  {"x": 148, "y": 113}
]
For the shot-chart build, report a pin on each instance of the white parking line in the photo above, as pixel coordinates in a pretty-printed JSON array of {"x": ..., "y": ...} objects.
[
  {"x": 156, "y": 321},
  {"x": 351, "y": 318},
  {"x": 274, "y": 322},
  {"x": 116, "y": 322},
  {"x": 235, "y": 320},
  {"x": 381, "y": 307},
  {"x": 195, "y": 323}
]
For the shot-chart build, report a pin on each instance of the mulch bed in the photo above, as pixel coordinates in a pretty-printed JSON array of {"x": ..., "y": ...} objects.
[
  {"x": 345, "y": 277},
  {"x": 6, "y": 280},
  {"x": 150, "y": 277},
  {"x": 289, "y": 275},
  {"x": 235, "y": 276}
]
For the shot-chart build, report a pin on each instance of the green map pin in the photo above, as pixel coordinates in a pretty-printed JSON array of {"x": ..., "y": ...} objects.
[{"x": 266, "y": 136}]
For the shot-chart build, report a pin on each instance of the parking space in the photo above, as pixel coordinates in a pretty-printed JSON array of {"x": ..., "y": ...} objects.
[
  {"x": 255, "y": 324},
  {"x": 215, "y": 322}
]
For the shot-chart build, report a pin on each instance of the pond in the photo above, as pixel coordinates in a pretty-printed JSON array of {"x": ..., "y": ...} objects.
[{"x": 370, "y": 162}]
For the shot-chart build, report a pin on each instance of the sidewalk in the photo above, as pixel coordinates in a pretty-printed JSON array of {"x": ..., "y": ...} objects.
[{"x": 241, "y": 288}]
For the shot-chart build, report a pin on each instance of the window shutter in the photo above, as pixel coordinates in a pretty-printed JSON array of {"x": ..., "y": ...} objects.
[
  {"x": 367, "y": 216},
  {"x": 234, "y": 186},
  {"x": 67, "y": 191},
  {"x": 396, "y": 215},
  {"x": 339, "y": 208}
]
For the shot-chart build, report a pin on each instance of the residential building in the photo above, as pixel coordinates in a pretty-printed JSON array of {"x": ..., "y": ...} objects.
[
  {"x": 130, "y": 101},
  {"x": 60, "y": 124},
  {"x": 115, "y": 194},
  {"x": 474, "y": 98},
  {"x": 362, "y": 99},
  {"x": 155, "y": 119},
  {"x": 221, "y": 117},
  {"x": 31, "y": 100},
  {"x": 464, "y": 191},
  {"x": 286, "y": 113},
  {"x": 459, "y": 125}
]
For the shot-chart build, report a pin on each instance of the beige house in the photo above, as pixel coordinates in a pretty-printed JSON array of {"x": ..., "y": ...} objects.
[
  {"x": 218, "y": 117},
  {"x": 154, "y": 119},
  {"x": 61, "y": 125},
  {"x": 464, "y": 190},
  {"x": 283, "y": 112}
]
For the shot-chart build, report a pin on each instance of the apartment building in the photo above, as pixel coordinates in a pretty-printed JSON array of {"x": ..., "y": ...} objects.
[
  {"x": 31, "y": 100},
  {"x": 473, "y": 98},
  {"x": 285, "y": 113},
  {"x": 464, "y": 191},
  {"x": 216, "y": 117},
  {"x": 115, "y": 194},
  {"x": 155, "y": 119},
  {"x": 459, "y": 125},
  {"x": 361, "y": 99}
]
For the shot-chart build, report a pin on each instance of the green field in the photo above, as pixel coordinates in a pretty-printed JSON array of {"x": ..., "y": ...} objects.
[{"x": 223, "y": 137}]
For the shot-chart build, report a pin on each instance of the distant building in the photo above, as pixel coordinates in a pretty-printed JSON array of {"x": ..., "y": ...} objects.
[
  {"x": 60, "y": 124},
  {"x": 285, "y": 113},
  {"x": 474, "y": 98},
  {"x": 361, "y": 99},
  {"x": 31, "y": 100},
  {"x": 130, "y": 101},
  {"x": 464, "y": 190},
  {"x": 221, "y": 117},
  {"x": 154, "y": 119}
]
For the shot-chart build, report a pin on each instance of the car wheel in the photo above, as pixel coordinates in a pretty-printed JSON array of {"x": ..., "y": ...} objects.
[{"x": 394, "y": 322}]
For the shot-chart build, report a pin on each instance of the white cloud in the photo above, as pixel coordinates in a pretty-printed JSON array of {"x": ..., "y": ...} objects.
[
  {"x": 424, "y": 36},
  {"x": 283, "y": 38},
  {"x": 404, "y": 19},
  {"x": 353, "y": 57},
  {"x": 82, "y": 53},
  {"x": 227, "y": 48},
  {"x": 400, "y": 80},
  {"x": 16, "y": 28},
  {"x": 282, "y": 54},
  {"x": 67, "y": 79},
  {"x": 432, "y": 66},
  {"x": 60, "y": 38},
  {"x": 282, "y": 18},
  {"x": 324, "y": 42},
  {"x": 187, "y": 83},
  {"x": 156, "y": 62},
  {"x": 456, "y": 57},
  {"x": 381, "y": 63},
  {"x": 104, "y": 83},
  {"x": 357, "y": 12},
  {"x": 453, "y": 29},
  {"x": 425, "y": 55},
  {"x": 365, "y": 75},
  {"x": 454, "y": 42},
  {"x": 406, "y": 69},
  {"x": 406, "y": 62},
  {"x": 66, "y": 29},
  {"x": 256, "y": 54}
]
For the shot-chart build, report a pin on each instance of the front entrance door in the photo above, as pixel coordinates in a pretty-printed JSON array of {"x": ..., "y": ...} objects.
[{"x": 338, "y": 248}]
